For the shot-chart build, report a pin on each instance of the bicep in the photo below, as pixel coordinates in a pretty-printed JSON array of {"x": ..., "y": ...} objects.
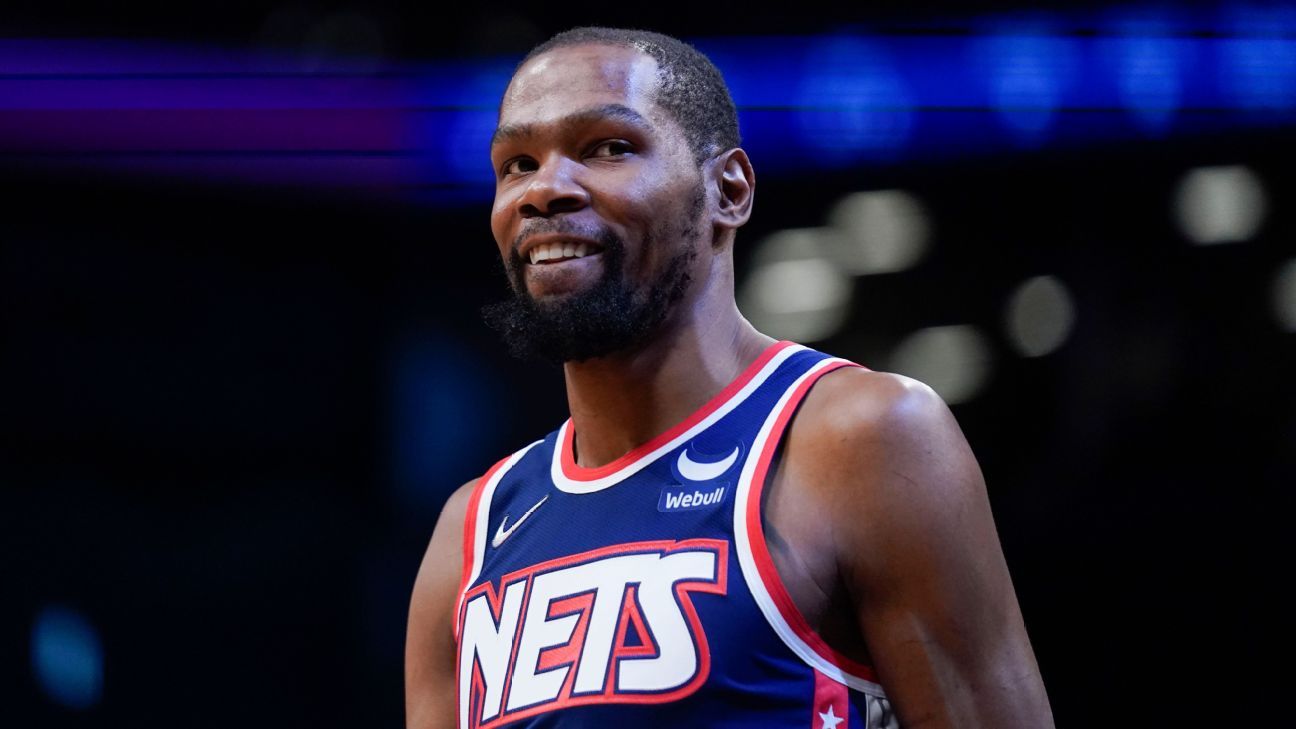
[
  {"x": 429, "y": 638},
  {"x": 932, "y": 591}
]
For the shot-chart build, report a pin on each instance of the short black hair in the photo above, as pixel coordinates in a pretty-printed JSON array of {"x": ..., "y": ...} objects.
[{"x": 690, "y": 87}]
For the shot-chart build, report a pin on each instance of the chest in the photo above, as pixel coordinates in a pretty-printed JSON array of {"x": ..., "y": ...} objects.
[
  {"x": 648, "y": 583},
  {"x": 634, "y": 594}
]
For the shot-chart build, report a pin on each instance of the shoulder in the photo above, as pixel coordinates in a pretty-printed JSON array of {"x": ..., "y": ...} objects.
[
  {"x": 884, "y": 453},
  {"x": 857, "y": 393},
  {"x": 456, "y": 506},
  {"x": 852, "y": 412},
  {"x": 914, "y": 542},
  {"x": 442, "y": 567},
  {"x": 447, "y": 537}
]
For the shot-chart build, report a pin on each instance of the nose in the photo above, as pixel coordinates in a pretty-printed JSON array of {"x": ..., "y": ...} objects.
[{"x": 553, "y": 189}]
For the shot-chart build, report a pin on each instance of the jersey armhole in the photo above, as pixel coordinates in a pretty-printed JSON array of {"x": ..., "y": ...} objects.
[
  {"x": 474, "y": 528},
  {"x": 470, "y": 537},
  {"x": 758, "y": 567}
]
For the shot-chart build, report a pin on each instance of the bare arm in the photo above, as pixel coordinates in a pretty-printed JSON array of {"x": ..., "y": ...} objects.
[
  {"x": 429, "y": 638},
  {"x": 918, "y": 551}
]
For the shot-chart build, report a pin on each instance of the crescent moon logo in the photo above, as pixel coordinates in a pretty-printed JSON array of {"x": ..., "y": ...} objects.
[{"x": 694, "y": 471}]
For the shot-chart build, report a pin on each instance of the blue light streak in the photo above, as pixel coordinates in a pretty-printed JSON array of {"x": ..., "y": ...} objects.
[{"x": 855, "y": 98}]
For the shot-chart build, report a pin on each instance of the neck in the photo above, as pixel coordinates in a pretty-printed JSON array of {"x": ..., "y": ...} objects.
[{"x": 625, "y": 399}]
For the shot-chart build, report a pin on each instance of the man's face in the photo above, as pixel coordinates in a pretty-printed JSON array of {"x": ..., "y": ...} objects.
[{"x": 598, "y": 203}]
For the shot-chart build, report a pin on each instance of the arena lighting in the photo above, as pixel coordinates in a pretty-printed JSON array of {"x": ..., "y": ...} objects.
[
  {"x": 1027, "y": 69},
  {"x": 1149, "y": 64},
  {"x": 954, "y": 360},
  {"x": 1039, "y": 316},
  {"x": 851, "y": 103},
  {"x": 1284, "y": 296},
  {"x": 67, "y": 657},
  {"x": 882, "y": 231},
  {"x": 314, "y": 105},
  {"x": 794, "y": 287},
  {"x": 463, "y": 137},
  {"x": 794, "y": 291},
  {"x": 1258, "y": 56},
  {"x": 1219, "y": 204},
  {"x": 466, "y": 142}
]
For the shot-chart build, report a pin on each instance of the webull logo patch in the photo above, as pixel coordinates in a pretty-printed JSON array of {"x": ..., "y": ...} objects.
[{"x": 680, "y": 498}]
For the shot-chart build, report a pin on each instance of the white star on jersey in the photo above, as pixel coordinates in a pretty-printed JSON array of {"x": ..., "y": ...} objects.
[{"x": 830, "y": 720}]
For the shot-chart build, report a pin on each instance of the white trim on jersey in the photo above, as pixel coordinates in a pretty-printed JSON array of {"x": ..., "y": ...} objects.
[
  {"x": 747, "y": 560},
  {"x": 482, "y": 517}
]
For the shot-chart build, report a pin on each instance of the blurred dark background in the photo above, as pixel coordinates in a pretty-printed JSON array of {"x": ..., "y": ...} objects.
[{"x": 243, "y": 249}]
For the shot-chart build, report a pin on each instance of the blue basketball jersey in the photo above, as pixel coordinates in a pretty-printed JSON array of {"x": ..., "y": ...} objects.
[{"x": 642, "y": 593}]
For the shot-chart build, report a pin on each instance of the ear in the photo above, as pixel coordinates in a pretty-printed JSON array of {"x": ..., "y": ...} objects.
[{"x": 736, "y": 182}]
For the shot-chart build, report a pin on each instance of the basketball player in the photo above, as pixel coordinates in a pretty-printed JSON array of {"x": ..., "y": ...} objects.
[{"x": 729, "y": 530}]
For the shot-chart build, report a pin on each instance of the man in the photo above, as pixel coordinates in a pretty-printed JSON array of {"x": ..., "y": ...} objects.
[{"x": 729, "y": 530}]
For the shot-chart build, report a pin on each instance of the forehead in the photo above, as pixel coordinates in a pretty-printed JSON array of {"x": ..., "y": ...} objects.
[{"x": 559, "y": 81}]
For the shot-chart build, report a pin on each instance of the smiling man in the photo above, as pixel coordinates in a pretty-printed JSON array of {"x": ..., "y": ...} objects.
[{"x": 729, "y": 530}]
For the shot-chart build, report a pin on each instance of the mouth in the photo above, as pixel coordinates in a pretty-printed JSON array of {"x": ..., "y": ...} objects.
[{"x": 558, "y": 250}]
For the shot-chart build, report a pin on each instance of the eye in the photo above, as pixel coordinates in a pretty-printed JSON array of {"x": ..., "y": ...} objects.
[
  {"x": 612, "y": 148},
  {"x": 518, "y": 165}
]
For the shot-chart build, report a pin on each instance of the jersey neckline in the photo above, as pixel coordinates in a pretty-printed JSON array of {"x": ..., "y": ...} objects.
[{"x": 570, "y": 477}]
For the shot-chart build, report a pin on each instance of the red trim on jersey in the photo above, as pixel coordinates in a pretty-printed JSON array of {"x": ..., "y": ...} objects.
[
  {"x": 567, "y": 653},
  {"x": 831, "y": 708},
  {"x": 576, "y": 472},
  {"x": 760, "y": 551},
  {"x": 470, "y": 532}
]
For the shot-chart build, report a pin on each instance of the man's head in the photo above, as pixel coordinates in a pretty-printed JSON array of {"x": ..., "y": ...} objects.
[
  {"x": 618, "y": 183},
  {"x": 689, "y": 86}
]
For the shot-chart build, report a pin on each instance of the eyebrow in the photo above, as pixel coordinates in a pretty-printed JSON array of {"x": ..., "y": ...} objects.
[{"x": 621, "y": 112}]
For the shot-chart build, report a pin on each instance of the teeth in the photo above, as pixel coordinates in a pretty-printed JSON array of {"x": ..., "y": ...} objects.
[{"x": 558, "y": 250}]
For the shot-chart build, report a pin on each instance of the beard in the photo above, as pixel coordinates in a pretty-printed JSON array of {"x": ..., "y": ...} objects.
[{"x": 609, "y": 317}]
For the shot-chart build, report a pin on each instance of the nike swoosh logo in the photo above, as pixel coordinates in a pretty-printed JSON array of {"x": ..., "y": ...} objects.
[
  {"x": 501, "y": 534},
  {"x": 694, "y": 471}
]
